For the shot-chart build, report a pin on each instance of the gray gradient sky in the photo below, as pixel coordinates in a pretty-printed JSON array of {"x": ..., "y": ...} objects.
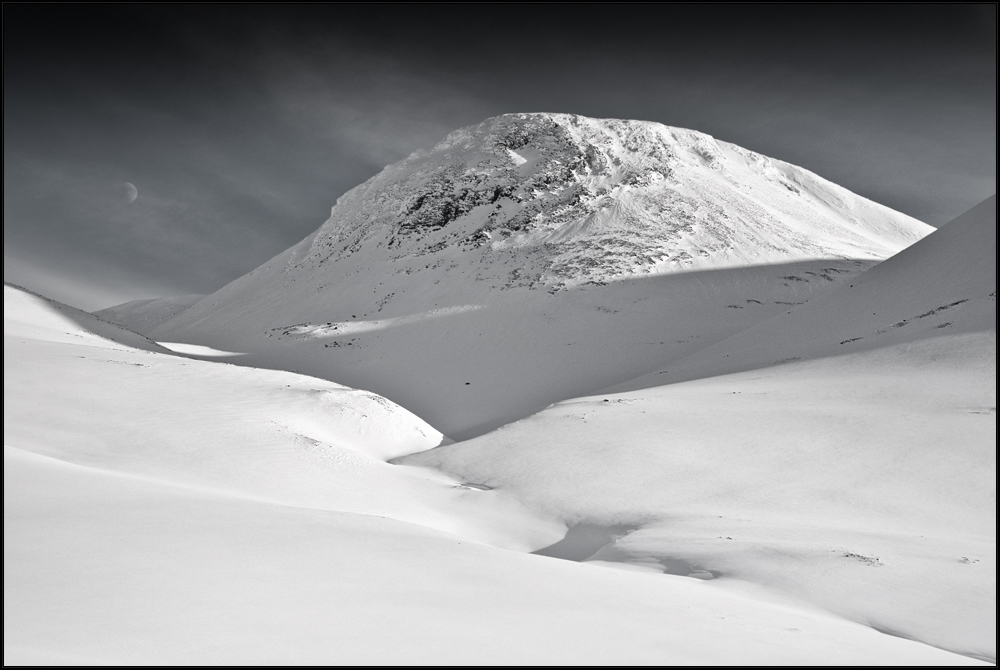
[{"x": 241, "y": 125}]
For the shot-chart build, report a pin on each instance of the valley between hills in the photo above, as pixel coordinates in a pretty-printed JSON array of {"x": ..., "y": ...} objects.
[{"x": 557, "y": 390}]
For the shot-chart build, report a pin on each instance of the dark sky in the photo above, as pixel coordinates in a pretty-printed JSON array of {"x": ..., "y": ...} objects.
[{"x": 241, "y": 125}]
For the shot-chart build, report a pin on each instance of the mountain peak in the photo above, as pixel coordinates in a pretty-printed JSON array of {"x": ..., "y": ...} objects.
[{"x": 577, "y": 199}]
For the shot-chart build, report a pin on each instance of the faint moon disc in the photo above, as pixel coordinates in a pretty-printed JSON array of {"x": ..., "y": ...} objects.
[{"x": 131, "y": 192}]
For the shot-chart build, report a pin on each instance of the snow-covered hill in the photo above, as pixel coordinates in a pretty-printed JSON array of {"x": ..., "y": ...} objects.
[
  {"x": 34, "y": 317},
  {"x": 535, "y": 257},
  {"x": 158, "y": 507},
  {"x": 852, "y": 466}
]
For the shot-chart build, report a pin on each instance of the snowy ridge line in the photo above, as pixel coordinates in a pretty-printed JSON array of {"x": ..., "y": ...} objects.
[{"x": 92, "y": 323}]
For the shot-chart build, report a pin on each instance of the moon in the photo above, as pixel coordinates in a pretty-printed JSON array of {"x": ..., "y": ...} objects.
[{"x": 131, "y": 192}]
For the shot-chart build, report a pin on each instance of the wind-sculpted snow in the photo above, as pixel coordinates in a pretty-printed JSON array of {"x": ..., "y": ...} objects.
[{"x": 188, "y": 512}]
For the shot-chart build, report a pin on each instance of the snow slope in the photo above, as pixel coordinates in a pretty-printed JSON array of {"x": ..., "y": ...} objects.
[
  {"x": 945, "y": 284},
  {"x": 109, "y": 569},
  {"x": 536, "y": 257},
  {"x": 74, "y": 394},
  {"x": 859, "y": 476},
  {"x": 31, "y": 316},
  {"x": 143, "y": 316},
  {"x": 163, "y": 509}
]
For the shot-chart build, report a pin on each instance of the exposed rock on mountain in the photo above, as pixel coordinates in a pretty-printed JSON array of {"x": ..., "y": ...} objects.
[{"x": 601, "y": 199}]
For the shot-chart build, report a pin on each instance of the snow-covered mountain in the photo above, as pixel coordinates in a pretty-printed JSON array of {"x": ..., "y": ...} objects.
[
  {"x": 559, "y": 200},
  {"x": 570, "y": 200},
  {"x": 512, "y": 241}
]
